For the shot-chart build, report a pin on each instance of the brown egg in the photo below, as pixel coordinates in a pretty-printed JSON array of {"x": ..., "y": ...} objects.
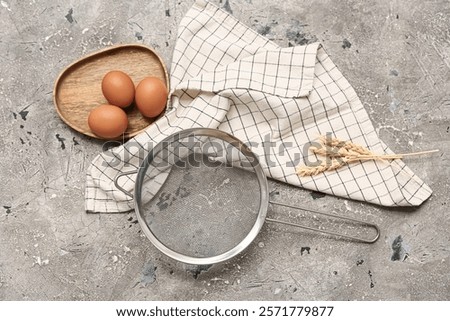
[
  {"x": 108, "y": 121},
  {"x": 151, "y": 96},
  {"x": 118, "y": 88}
]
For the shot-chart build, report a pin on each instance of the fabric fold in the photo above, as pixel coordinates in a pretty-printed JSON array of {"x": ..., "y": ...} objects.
[{"x": 285, "y": 72}]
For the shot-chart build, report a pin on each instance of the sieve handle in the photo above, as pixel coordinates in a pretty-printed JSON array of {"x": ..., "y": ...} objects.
[
  {"x": 120, "y": 188},
  {"x": 362, "y": 223}
]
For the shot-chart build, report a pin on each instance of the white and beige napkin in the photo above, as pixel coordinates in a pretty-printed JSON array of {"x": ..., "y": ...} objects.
[{"x": 225, "y": 75}]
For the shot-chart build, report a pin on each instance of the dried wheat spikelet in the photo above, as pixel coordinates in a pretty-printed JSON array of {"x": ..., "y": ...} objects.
[
  {"x": 338, "y": 153},
  {"x": 326, "y": 165},
  {"x": 348, "y": 145}
]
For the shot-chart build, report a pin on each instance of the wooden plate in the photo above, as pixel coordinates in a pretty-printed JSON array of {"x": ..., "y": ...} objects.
[{"x": 78, "y": 88}]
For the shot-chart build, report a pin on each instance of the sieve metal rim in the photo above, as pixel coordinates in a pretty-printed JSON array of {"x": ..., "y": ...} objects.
[{"x": 264, "y": 196}]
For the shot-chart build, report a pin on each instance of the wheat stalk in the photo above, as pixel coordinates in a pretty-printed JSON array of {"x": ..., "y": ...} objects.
[{"x": 346, "y": 153}]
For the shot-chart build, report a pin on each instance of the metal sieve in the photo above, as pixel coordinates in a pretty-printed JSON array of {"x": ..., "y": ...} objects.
[{"x": 201, "y": 197}]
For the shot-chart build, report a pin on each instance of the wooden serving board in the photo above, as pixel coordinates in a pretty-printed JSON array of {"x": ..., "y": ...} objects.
[{"x": 78, "y": 89}]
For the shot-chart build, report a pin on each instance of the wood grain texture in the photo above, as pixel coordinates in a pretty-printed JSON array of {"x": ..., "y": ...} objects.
[{"x": 78, "y": 88}]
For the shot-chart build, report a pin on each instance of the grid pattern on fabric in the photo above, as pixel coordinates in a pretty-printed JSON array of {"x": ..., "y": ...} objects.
[{"x": 225, "y": 75}]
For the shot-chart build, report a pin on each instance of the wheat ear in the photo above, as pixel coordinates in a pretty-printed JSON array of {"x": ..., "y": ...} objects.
[
  {"x": 326, "y": 165},
  {"x": 347, "y": 152},
  {"x": 348, "y": 145}
]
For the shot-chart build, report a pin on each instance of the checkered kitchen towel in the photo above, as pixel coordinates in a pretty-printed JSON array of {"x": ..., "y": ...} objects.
[{"x": 225, "y": 75}]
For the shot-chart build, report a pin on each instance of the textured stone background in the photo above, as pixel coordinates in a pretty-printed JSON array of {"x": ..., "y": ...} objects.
[{"x": 395, "y": 53}]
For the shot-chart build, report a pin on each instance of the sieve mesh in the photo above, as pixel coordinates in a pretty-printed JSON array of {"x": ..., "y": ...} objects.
[{"x": 200, "y": 196}]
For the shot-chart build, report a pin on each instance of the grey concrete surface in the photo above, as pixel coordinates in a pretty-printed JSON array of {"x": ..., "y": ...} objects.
[{"x": 395, "y": 53}]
